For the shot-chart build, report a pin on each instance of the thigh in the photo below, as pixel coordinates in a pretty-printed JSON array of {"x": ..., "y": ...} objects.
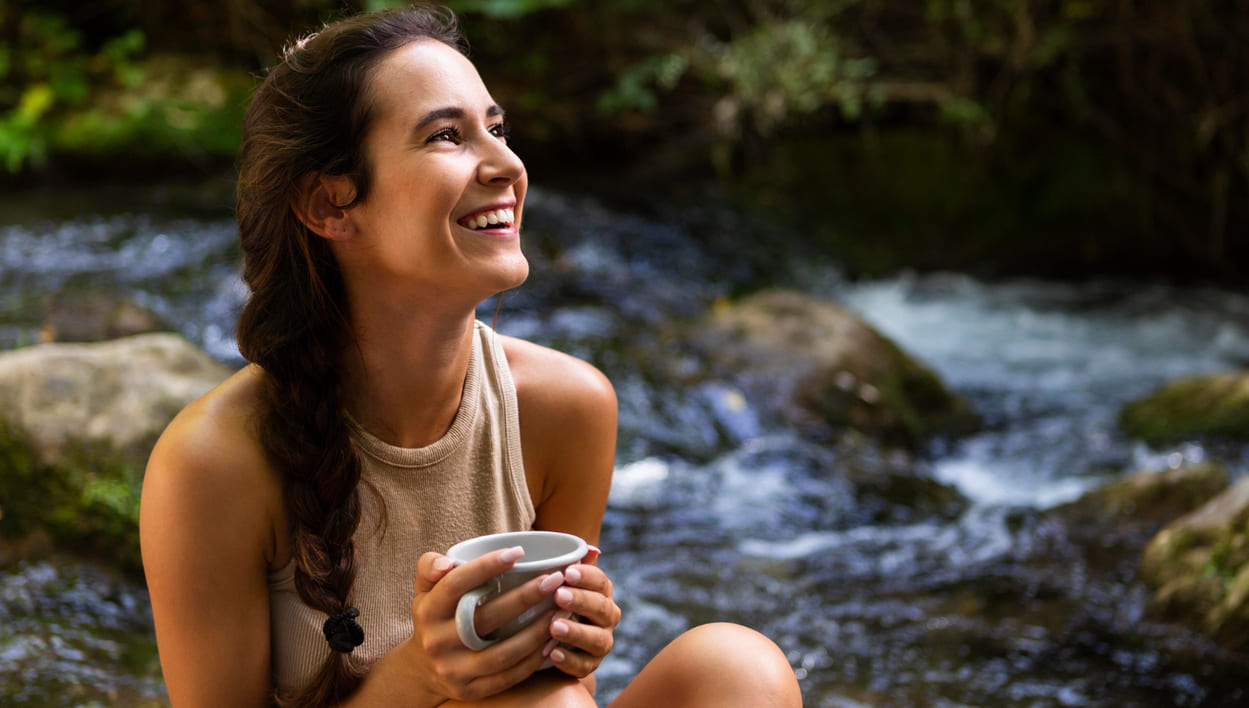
[{"x": 545, "y": 689}]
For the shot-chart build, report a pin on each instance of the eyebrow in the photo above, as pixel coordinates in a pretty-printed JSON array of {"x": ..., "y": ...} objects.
[{"x": 454, "y": 113}]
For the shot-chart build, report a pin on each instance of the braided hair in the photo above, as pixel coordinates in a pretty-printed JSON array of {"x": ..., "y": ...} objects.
[{"x": 311, "y": 115}]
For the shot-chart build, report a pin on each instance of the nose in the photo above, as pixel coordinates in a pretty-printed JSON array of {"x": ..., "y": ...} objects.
[{"x": 500, "y": 166}]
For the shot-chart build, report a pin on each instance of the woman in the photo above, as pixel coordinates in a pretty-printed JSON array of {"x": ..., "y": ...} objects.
[{"x": 292, "y": 518}]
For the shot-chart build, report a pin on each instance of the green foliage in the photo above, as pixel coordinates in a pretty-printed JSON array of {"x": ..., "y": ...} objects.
[
  {"x": 46, "y": 73},
  {"x": 87, "y": 502},
  {"x": 635, "y": 86},
  {"x": 786, "y": 65},
  {"x": 180, "y": 107},
  {"x": 786, "y": 68}
]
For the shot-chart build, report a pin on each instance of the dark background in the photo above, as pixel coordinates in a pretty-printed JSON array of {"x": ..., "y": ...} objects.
[{"x": 1066, "y": 139}]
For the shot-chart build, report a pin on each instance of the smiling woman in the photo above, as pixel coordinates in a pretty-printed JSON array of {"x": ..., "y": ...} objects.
[{"x": 293, "y": 519}]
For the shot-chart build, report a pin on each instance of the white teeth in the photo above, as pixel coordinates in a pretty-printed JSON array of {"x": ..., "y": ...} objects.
[{"x": 489, "y": 218}]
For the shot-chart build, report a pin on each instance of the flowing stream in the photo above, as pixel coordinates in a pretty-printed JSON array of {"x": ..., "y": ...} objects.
[{"x": 715, "y": 513}]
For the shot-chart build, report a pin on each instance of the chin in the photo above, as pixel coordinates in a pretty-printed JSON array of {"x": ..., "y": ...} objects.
[{"x": 515, "y": 273}]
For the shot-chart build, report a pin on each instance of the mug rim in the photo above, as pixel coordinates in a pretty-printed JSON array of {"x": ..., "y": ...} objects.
[{"x": 581, "y": 548}]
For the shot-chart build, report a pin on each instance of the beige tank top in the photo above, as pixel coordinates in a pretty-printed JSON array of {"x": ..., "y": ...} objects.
[{"x": 468, "y": 483}]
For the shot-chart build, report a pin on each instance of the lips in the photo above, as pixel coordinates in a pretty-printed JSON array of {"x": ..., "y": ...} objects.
[{"x": 493, "y": 218}]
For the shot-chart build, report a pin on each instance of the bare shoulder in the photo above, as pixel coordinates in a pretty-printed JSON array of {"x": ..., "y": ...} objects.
[
  {"x": 567, "y": 410},
  {"x": 208, "y": 464},
  {"x": 556, "y": 384}
]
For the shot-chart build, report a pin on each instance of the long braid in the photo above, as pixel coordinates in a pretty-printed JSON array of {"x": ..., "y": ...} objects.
[{"x": 310, "y": 115}]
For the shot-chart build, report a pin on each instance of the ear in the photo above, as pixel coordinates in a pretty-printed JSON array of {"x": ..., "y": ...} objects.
[{"x": 318, "y": 204}]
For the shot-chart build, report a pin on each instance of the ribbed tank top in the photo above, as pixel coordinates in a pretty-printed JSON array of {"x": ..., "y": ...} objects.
[{"x": 469, "y": 482}]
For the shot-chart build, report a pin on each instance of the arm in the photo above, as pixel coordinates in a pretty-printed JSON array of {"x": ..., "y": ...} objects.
[
  {"x": 568, "y": 433},
  {"x": 206, "y": 537},
  {"x": 568, "y": 429}
]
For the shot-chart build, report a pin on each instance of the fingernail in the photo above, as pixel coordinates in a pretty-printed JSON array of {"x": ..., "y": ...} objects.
[
  {"x": 550, "y": 582},
  {"x": 592, "y": 552},
  {"x": 563, "y": 596},
  {"x": 546, "y": 650},
  {"x": 573, "y": 575},
  {"x": 558, "y": 655},
  {"x": 560, "y": 628},
  {"x": 443, "y": 563},
  {"x": 511, "y": 555}
]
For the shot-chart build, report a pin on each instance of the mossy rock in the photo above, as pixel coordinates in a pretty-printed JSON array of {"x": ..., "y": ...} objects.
[
  {"x": 77, "y": 422},
  {"x": 1199, "y": 568},
  {"x": 1149, "y": 497},
  {"x": 87, "y": 502},
  {"x": 1195, "y": 407},
  {"x": 816, "y": 365}
]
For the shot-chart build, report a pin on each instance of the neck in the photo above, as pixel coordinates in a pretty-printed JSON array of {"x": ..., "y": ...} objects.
[{"x": 405, "y": 375}]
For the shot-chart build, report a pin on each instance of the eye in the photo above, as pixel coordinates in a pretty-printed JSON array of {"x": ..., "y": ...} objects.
[
  {"x": 449, "y": 134},
  {"x": 501, "y": 131}
]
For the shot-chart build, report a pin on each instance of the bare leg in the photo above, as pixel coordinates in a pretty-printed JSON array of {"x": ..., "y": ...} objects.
[{"x": 715, "y": 665}]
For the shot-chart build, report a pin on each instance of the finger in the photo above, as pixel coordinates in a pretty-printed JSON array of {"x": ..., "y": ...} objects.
[
  {"x": 573, "y": 662},
  {"x": 521, "y": 651},
  {"x": 592, "y": 640},
  {"x": 446, "y": 594},
  {"x": 491, "y": 684},
  {"x": 594, "y": 607},
  {"x": 591, "y": 555},
  {"x": 430, "y": 569},
  {"x": 589, "y": 577},
  {"x": 511, "y": 604}
]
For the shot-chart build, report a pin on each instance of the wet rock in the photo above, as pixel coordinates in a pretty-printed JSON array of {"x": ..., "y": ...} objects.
[
  {"x": 1111, "y": 525},
  {"x": 1199, "y": 568},
  {"x": 77, "y": 422},
  {"x": 1200, "y": 406},
  {"x": 96, "y": 318},
  {"x": 814, "y": 364},
  {"x": 1148, "y": 497}
]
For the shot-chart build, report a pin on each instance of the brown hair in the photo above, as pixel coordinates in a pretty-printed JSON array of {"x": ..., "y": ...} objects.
[{"x": 310, "y": 115}]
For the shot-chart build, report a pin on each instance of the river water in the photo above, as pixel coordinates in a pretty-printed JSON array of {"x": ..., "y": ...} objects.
[{"x": 716, "y": 513}]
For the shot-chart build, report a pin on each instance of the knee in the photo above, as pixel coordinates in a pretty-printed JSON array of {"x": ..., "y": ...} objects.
[{"x": 740, "y": 660}]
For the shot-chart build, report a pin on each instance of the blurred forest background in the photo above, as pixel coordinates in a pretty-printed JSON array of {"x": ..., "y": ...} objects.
[{"x": 1060, "y": 138}]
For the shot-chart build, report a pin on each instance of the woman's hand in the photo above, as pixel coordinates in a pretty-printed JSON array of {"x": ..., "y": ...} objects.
[
  {"x": 580, "y": 642},
  {"x": 443, "y": 664}
]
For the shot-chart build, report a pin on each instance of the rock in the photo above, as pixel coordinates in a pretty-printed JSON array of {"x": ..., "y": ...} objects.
[
  {"x": 1198, "y": 567},
  {"x": 1147, "y": 498},
  {"x": 816, "y": 365},
  {"x": 1200, "y": 406},
  {"x": 77, "y": 422},
  {"x": 95, "y": 318},
  {"x": 1112, "y": 525}
]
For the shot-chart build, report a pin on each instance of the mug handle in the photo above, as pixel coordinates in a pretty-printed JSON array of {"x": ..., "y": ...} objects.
[{"x": 465, "y": 613}]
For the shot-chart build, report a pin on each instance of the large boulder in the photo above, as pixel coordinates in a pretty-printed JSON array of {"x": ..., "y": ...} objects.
[
  {"x": 77, "y": 422},
  {"x": 1198, "y": 406},
  {"x": 1199, "y": 568},
  {"x": 814, "y": 364}
]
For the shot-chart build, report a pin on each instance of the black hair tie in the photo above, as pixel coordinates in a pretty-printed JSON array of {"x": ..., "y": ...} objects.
[{"x": 343, "y": 632}]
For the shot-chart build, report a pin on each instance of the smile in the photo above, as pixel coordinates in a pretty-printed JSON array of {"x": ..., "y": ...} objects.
[{"x": 495, "y": 218}]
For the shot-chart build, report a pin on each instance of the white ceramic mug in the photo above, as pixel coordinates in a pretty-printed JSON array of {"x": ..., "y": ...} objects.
[{"x": 545, "y": 552}]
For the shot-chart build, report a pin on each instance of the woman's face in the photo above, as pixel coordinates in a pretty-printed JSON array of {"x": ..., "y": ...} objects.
[{"x": 442, "y": 217}]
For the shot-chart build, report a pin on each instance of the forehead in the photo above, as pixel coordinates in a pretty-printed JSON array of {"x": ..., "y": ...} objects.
[{"x": 423, "y": 75}]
